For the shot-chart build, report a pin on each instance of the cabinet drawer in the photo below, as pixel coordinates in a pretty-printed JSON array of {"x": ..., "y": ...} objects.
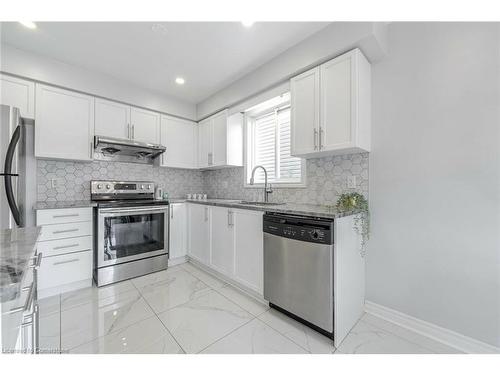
[
  {"x": 65, "y": 269},
  {"x": 59, "y": 231},
  {"x": 63, "y": 215},
  {"x": 64, "y": 246}
]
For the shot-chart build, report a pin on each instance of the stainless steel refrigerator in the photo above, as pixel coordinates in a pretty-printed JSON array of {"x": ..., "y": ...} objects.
[{"x": 17, "y": 169}]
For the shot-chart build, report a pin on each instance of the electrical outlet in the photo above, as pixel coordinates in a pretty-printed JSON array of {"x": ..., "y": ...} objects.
[
  {"x": 351, "y": 182},
  {"x": 53, "y": 183}
]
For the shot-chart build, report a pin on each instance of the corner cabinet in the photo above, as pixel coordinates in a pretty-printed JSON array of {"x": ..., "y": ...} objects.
[
  {"x": 331, "y": 107},
  {"x": 230, "y": 242},
  {"x": 64, "y": 124},
  {"x": 180, "y": 138},
  {"x": 220, "y": 141}
]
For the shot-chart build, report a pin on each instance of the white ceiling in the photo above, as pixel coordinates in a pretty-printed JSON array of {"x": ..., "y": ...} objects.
[{"x": 208, "y": 55}]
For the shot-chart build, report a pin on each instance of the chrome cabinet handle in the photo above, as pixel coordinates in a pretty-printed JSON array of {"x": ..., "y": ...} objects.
[
  {"x": 65, "y": 215},
  {"x": 91, "y": 150},
  {"x": 315, "y": 138},
  {"x": 210, "y": 158},
  {"x": 320, "y": 137},
  {"x": 66, "y": 261},
  {"x": 171, "y": 212},
  {"x": 27, "y": 304},
  {"x": 65, "y": 246},
  {"x": 128, "y": 131},
  {"x": 133, "y": 131},
  {"x": 206, "y": 213},
  {"x": 36, "y": 261},
  {"x": 65, "y": 231},
  {"x": 230, "y": 218}
]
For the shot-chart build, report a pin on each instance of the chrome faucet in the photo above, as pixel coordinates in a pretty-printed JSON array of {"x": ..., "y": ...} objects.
[{"x": 267, "y": 190}]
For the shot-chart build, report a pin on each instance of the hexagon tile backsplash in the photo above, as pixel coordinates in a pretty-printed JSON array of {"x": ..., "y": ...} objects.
[
  {"x": 72, "y": 179},
  {"x": 326, "y": 180}
]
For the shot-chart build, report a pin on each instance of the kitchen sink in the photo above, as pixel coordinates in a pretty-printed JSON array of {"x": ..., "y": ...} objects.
[{"x": 260, "y": 203}]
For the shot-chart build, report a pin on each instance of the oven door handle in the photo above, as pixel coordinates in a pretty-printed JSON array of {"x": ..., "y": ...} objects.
[{"x": 131, "y": 210}]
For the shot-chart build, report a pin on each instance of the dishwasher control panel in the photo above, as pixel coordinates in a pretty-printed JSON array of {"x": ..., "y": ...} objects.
[{"x": 299, "y": 228}]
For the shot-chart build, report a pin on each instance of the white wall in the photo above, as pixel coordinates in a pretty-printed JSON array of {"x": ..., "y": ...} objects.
[
  {"x": 331, "y": 41},
  {"x": 434, "y": 177},
  {"x": 40, "y": 68}
]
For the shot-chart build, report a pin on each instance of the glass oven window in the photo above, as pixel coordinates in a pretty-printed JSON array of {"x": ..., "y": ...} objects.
[{"x": 130, "y": 235}]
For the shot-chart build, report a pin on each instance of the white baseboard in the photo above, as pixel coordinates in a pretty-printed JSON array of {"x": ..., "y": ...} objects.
[
  {"x": 448, "y": 337},
  {"x": 178, "y": 260}
]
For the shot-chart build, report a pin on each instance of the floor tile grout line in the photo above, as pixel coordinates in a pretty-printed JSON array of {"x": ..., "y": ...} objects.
[
  {"x": 233, "y": 330},
  {"x": 163, "y": 324}
]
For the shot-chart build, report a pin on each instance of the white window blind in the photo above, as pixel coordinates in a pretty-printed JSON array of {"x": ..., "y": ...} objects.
[{"x": 271, "y": 148}]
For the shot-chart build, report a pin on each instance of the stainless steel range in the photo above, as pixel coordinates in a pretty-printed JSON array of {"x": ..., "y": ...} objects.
[{"x": 130, "y": 230}]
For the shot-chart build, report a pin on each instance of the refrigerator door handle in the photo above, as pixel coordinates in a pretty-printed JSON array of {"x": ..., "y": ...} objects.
[{"x": 8, "y": 176}]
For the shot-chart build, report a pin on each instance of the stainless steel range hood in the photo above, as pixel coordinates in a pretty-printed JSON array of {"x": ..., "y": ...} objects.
[{"x": 125, "y": 150}]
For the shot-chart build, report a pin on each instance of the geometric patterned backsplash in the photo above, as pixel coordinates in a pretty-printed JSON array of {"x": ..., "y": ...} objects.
[
  {"x": 326, "y": 180},
  {"x": 73, "y": 178}
]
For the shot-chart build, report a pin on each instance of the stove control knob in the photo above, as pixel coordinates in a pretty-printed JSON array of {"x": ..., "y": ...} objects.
[
  {"x": 108, "y": 186},
  {"x": 142, "y": 187},
  {"x": 149, "y": 187},
  {"x": 99, "y": 186}
]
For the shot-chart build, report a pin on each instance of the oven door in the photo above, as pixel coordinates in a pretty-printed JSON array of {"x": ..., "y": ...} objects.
[{"x": 126, "y": 234}]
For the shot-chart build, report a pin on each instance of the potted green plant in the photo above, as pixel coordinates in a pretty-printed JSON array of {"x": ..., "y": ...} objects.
[{"x": 357, "y": 203}]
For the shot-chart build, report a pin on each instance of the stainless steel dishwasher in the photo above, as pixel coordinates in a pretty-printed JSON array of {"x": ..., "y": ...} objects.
[{"x": 298, "y": 268}]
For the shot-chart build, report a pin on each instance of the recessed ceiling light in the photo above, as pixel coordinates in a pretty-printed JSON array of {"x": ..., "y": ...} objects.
[
  {"x": 28, "y": 24},
  {"x": 180, "y": 80},
  {"x": 247, "y": 23}
]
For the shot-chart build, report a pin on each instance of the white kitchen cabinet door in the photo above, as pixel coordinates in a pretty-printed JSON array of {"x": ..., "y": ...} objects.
[
  {"x": 249, "y": 249},
  {"x": 18, "y": 93},
  {"x": 177, "y": 229},
  {"x": 345, "y": 103},
  {"x": 180, "y": 138},
  {"x": 145, "y": 125},
  {"x": 304, "y": 90},
  {"x": 112, "y": 119},
  {"x": 222, "y": 248},
  {"x": 219, "y": 136},
  {"x": 64, "y": 124},
  {"x": 199, "y": 232},
  {"x": 205, "y": 156}
]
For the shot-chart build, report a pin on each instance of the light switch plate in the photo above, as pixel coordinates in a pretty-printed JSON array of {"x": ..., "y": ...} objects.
[{"x": 351, "y": 182}]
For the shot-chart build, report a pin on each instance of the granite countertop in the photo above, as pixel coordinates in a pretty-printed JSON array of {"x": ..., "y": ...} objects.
[
  {"x": 17, "y": 248},
  {"x": 63, "y": 204},
  {"x": 323, "y": 211}
]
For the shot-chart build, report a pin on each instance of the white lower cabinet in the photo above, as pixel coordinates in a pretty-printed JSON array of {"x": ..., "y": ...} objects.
[
  {"x": 199, "y": 232},
  {"x": 230, "y": 242},
  {"x": 249, "y": 249},
  {"x": 67, "y": 248},
  {"x": 177, "y": 231},
  {"x": 222, "y": 254}
]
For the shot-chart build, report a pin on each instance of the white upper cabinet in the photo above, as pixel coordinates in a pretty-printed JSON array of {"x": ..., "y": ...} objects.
[
  {"x": 220, "y": 141},
  {"x": 180, "y": 138},
  {"x": 19, "y": 93},
  {"x": 64, "y": 124},
  {"x": 145, "y": 125},
  {"x": 205, "y": 156},
  {"x": 112, "y": 119},
  {"x": 331, "y": 109},
  {"x": 305, "y": 112}
]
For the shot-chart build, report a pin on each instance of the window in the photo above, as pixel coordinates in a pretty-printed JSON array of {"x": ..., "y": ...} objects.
[{"x": 268, "y": 144}]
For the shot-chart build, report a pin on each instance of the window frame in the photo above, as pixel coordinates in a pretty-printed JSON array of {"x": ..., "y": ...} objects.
[{"x": 248, "y": 149}]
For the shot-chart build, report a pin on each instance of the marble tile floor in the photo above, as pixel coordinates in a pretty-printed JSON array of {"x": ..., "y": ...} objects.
[{"x": 186, "y": 310}]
